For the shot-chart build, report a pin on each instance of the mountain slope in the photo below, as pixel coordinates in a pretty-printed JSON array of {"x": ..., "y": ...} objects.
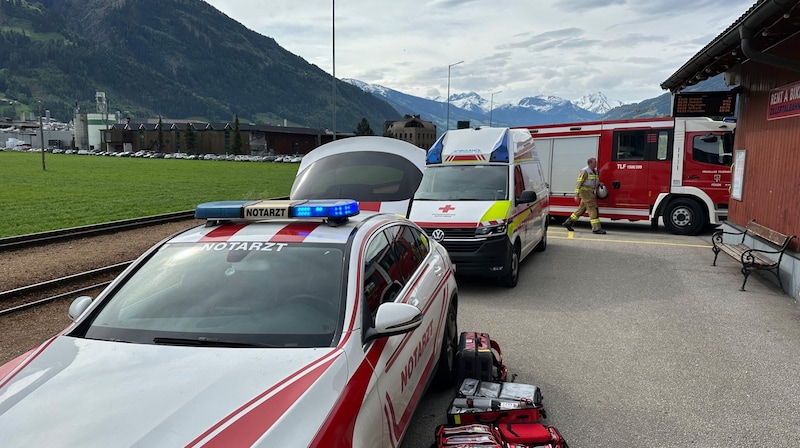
[
  {"x": 535, "y": 110},
  {"x": 177, "y": 58}
]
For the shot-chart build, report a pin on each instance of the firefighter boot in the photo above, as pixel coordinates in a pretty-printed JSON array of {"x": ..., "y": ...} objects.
[{"x": 568, "y": 224}]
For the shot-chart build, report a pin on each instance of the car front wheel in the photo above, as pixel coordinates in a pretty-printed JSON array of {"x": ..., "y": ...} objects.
[{"x": 445, "y": 369}]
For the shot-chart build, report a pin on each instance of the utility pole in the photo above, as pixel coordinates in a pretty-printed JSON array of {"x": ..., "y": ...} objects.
[
  {"x": 333, "y": 60},
  {"x": 448, "y": 93},
  {"x": 491, "y": 106},
  {"x": 41, "y": 136}
]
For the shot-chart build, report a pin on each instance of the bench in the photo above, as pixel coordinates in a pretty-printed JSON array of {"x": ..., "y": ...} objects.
[{"x": 753, "y": 259}]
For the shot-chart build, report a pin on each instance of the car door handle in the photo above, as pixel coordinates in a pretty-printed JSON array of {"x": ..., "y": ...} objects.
[
  {"x": 438, "y": 270},
  {"x": 693, "y": 177}
]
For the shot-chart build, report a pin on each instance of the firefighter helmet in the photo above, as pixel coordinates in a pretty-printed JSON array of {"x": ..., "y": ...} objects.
[{"x": 602, "y": 191}]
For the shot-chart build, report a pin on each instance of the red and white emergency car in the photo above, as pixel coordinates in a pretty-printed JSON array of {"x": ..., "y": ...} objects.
[
  {"x": 276, "y": 324},
  {"x": 677, "y": 169}
]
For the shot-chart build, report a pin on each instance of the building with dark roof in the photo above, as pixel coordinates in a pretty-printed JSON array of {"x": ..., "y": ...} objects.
[
  {"x": 214, "y": 138},
  {"x": 759, "y": 54},
  {"x": 412, "y": 129}
]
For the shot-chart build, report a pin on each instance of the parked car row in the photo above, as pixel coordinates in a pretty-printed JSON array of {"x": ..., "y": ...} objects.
[{"x": 289, "y": 158}]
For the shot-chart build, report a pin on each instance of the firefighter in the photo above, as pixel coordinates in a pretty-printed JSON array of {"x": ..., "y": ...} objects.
[{"x": 586, "y": 194}]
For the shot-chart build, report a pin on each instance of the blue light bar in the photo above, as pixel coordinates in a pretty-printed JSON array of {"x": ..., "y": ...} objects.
[
  {"x": 220, "y": 210},
  {"x": 333, "y": 209},
  {"x": 330, "y": 208}
]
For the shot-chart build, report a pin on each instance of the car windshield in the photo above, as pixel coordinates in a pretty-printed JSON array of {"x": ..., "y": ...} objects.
[
  {"x": 234, "y": 293},
  {"x": 464, "y": 182}
]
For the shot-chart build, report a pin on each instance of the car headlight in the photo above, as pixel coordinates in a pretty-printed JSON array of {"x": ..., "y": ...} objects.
[{"x": 497, "y": 229}]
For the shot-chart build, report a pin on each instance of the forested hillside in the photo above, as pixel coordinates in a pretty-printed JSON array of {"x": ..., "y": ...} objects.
[{"x": 173, "y": 58}]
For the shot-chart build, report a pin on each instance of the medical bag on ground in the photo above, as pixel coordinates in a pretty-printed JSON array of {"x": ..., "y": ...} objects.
[
  {"x": 472, "y": 387},
  {"x": 493, "y": 410},
  {"x": 529, "y": 435},
  {"x": 467, "y": 436},
  {"x": 489, "y": 402},
  {"x": 479, "y": 357}
]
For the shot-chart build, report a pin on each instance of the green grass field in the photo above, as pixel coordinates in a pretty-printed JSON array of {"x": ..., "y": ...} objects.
[{"x": 81, "y": 190}]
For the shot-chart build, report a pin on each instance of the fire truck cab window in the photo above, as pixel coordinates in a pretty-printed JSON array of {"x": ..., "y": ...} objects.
[
  {"x": 642, "y": 145},
  {"x": 662, "y": 153},
  {"x": 710, "y": 148},
  {"x": 629, "y": 145}
]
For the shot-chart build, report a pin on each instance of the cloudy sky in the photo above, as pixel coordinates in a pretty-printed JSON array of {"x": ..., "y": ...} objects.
[{"x": 565, "y": 48}]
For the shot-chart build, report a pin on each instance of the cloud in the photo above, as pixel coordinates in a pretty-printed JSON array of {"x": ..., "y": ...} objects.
[{"x": 624, "y": 48}]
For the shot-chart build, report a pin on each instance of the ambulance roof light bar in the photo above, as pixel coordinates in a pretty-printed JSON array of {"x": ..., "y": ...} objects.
[{"x": 334, "y": 210}]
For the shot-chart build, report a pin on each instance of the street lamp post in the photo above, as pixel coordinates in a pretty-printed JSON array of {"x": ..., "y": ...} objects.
[
  {"x": 41, "y": 136},
  {"x": 333, "y": 61},
  {"x": 448, "y": 92},
  {"x": 491, "y": 106}
]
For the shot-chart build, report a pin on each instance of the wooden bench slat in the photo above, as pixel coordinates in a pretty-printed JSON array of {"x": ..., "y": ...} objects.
[{"x": 766, "y": 233}]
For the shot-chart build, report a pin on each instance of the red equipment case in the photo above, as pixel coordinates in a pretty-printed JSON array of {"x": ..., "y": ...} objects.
[
  {"x": 479, "y": 357},
  {"x": 528, "y": 435}
]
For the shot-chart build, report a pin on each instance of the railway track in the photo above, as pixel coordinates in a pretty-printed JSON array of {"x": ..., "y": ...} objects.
[
  {"x": 21, "y": 241},
  {"x": 41, "y": 293},
  {"x": 73, "y": 284}
]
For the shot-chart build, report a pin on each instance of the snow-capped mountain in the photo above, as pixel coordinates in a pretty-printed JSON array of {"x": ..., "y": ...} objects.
[
  {"x": 533, "y": 110},
  {"x": 540, "y": 109},
  {"x": 597, "y": 103}
]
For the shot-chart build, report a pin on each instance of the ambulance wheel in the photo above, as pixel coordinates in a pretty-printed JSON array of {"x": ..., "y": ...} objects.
[
  {"x": 446, "y": 368},
  {"x": 683, "y": 217},
  {"x": 510, "y": 279},
  {"x": 542, "y": 246}
]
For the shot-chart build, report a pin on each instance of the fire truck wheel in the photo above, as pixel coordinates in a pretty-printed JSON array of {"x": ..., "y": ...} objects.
[
  {"x": 510, "y": 279},
  {"x": 683, "y": 217}
]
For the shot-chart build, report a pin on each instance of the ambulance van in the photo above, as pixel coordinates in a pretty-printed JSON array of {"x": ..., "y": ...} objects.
[{"x": 483, "y": 196}]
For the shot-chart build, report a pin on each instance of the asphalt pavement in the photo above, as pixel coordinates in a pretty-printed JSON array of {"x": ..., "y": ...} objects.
[{"x": 636, "y": 340}]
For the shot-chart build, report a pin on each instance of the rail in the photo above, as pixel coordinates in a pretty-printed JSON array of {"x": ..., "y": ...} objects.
[{"x": 20, "y": 241}]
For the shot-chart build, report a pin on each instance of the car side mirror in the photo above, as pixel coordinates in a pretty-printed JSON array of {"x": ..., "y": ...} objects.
[
  {"x": 393, "y": 319},
  {"x": 78, "y": 306},
  {"x": 527, "y": 197}
]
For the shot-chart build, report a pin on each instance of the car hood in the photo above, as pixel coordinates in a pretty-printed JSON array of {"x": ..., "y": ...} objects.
[{"x": 86, "y": 393}]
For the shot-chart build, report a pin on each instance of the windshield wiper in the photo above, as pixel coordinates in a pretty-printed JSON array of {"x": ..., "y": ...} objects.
[{"x": 208, "y": 342}]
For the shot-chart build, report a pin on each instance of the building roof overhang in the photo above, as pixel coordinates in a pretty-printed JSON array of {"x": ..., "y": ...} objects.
[{"x": 766, "y": 24}]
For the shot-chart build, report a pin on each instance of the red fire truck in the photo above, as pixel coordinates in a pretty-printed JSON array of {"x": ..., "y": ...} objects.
[{"x": 677, "y": 169}]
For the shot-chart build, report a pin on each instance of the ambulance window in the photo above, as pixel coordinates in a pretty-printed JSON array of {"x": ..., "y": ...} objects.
[{"x": 519, "y": 182}]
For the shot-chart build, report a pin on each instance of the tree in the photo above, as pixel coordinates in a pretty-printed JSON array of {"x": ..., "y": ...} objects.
[
  {"x": 160, "y": 136},
  {"x": 191, "y": 139},
  {"x": 363, "y": 128},
  {"x": 236, "y": 146}
]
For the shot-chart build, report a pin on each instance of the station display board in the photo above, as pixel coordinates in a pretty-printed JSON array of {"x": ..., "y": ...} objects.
[{"x": 704, "y": 104}]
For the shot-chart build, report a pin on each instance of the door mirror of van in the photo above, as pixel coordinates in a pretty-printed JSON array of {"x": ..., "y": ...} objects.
[{"x": 527, "y": 197}]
